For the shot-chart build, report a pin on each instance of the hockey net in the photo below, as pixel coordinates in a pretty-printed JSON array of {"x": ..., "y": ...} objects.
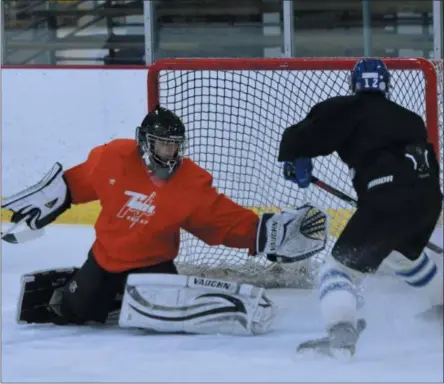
[{"x": 235, "y": 111}]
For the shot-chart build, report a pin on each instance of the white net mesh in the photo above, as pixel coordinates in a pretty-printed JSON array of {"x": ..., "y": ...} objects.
[{"x": 235, "y": 112}]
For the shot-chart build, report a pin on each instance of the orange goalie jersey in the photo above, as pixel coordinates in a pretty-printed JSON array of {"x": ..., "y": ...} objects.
[{"x": 140, "y": 220}]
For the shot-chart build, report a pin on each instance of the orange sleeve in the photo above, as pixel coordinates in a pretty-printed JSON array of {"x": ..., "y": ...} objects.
[
  {"x": 80, "y": 178},
  {"x": 218, "y": 220}
]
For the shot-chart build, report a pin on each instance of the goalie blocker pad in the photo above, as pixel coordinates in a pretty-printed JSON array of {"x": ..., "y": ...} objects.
[
  {"x": 40, "y": 204},
  {"x": 191, "y": 304}
]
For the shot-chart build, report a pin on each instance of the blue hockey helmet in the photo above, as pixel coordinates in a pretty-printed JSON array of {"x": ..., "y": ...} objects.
[{"x": 370, "y": 75}]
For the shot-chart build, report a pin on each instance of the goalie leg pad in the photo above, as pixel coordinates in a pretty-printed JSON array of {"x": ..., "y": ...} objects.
[{"x": 190, "y": 304}]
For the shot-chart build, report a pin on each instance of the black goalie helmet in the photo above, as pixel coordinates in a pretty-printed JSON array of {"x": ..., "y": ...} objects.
[{"x": 161, "y": 141}]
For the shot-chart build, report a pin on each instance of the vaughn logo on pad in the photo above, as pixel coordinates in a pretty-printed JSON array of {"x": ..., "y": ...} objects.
[{"x": 200, "y": 281}]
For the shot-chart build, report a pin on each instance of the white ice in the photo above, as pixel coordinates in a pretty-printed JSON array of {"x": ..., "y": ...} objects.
[{"x": 395, "y": 347}]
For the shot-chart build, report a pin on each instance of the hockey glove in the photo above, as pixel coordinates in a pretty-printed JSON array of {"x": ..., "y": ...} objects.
[
  {"x": 42, "y": 203},
  {"x": 292, "y": 235},
  {"x": 299, "y": 171}
]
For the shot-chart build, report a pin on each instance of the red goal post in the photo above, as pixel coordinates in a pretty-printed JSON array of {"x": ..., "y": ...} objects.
[{"x": 235, "y": 111}]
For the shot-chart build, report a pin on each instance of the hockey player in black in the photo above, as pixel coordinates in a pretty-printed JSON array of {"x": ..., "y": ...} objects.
[{"x": 396, "y": 178}]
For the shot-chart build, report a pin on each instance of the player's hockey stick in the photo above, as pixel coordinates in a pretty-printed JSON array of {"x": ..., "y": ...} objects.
[
  {"x": 435, "y": 248},
  {"x": 17, "y": 237}
]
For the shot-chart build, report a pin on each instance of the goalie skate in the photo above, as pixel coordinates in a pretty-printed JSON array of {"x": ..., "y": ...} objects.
[
  {"x": 41, "y": 295},
  {"x": 341, "y": 341},
  {"x": 38, "y": 293}
]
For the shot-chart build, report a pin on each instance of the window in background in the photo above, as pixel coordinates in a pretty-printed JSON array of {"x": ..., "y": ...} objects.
[
  {"x": 402, "y": 28},
  {"x": 56, "y": 32},
  {"x": 215, "y": 28},
  {"x": 325, "y": 28},
  {"x": 337, "y": 28}
]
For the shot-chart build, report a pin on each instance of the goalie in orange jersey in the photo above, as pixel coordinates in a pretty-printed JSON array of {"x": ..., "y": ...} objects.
[{"x": 148, "y": 191}]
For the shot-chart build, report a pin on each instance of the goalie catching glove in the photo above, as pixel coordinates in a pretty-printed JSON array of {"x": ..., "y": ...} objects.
[
  {"x": 292, "y": 235},
  {"x": 40, "y": 204}
]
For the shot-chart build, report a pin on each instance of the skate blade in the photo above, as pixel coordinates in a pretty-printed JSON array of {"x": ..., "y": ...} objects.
[
  {"x": 315, "y": 347},
  {"x": 322, "y": 346},
  {"x": 343, "y": 354}
]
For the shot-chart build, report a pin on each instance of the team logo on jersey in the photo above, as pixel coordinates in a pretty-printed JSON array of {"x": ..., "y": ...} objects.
[{"x": 138, "y": 209}]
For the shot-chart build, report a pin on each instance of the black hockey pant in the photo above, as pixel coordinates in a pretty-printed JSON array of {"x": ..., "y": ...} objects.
[{"x": 389, "y": 219}]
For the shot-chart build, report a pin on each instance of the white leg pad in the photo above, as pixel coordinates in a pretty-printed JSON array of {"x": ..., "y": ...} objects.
[
  {"x": 422, "y": 274},
  {"x": 338, "y": 293},
  {"x": 190, "y": 304}
]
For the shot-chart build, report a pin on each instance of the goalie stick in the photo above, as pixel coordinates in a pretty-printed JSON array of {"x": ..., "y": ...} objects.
[{"x": 341, "y": 195}]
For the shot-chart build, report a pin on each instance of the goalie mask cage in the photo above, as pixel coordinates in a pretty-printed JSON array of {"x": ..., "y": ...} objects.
[{"x": 235, "y": 111}]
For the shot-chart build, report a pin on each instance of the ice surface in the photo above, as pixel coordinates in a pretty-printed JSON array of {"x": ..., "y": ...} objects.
[{"x": 395, "y": 347}]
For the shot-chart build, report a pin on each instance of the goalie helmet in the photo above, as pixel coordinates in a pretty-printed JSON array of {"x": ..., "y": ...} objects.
[
  {"x": 161, "y": 142},
  {"x": 370, "y": 75}
]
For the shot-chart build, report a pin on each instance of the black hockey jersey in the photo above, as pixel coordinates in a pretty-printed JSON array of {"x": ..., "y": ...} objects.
[{"x": 370, "y": 133}]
